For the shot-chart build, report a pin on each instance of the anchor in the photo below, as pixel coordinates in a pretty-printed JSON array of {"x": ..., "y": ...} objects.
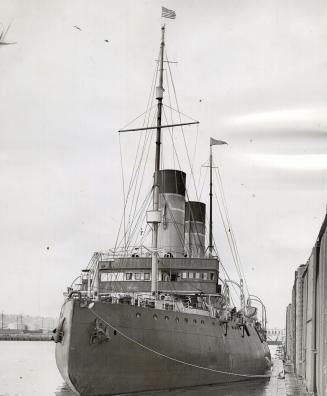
[{"x": 100, "y": 333}]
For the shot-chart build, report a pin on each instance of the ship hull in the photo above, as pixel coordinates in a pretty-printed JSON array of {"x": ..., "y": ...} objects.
[{"x": 145, "y": 347}]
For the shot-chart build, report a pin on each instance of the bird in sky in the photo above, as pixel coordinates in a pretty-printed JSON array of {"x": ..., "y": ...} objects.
[
  {"x": 78, "y": 28},
  {"x": 3, "y": 35}
]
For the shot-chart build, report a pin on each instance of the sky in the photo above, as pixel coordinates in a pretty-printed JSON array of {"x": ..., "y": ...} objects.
[{"x": 253, "y": 73}]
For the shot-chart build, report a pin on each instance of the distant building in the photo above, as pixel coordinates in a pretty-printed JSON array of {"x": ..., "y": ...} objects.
[
  {"x": 276, "y": 334},
  {"x": 16, "y": 326}
]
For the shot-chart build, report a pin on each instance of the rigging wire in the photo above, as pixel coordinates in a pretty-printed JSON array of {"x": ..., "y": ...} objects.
[
  {"x": 140, "y": 220},
  {"x": 179, "y": 113},
  {"x": 138, "y": 214},
  {"x": 133, "y": 179},
  {"x": 230, "y": 229},
  {"x": 227, "y": 236},
  {"x": 171, "y": 130},
  {"x": 196, "y": 143},
  {"x": 204, "y": 179},
  {"x": 123, "y": 181},
  {"x": 148, "y": 145}
]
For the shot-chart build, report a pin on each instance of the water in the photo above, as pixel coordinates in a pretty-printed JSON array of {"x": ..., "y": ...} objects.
[{"x": 28, "y": 368}]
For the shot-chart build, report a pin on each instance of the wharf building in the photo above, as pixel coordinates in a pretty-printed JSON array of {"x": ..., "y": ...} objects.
[
  {"x": 276, "y": 335},
  {"x": 306, "y": 319}
]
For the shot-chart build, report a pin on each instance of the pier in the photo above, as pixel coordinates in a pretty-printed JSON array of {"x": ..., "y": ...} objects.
[
  {"x": 284, "y": 381},
  {"x": 306, "y": 320},
  {"x": 25, "y": 337}
]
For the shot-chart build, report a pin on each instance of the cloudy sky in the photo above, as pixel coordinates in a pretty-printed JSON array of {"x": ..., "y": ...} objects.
[{"x": 253, "y": 73}]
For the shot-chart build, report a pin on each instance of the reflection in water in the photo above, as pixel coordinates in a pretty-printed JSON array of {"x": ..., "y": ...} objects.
[
  {"x": 259, "y": 387},
  {"x": 63, "y": 390},
  {"x": 241, "y": 388},
  {"x": 28, "y": 368}
]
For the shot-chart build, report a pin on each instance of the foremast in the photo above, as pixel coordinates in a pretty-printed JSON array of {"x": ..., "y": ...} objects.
[
  {"x": 159, "y": 97},
  {"x": 154, "y": 215}
]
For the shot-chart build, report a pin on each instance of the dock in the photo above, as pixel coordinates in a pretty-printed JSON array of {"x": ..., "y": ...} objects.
[
  {"x": 284, "y": 382},
  {"x": 25, "y": 336}
]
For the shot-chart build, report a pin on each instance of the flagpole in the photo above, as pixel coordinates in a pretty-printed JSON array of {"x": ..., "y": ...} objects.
[
  {"x": 213, "y": 142},
  {"x": 210, "y": 217}
]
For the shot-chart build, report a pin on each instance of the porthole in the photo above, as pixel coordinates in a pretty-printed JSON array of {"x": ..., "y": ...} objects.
[
  {"x": 177, "y": 320},
  {"x": 186, "y": 320},
  {"x": 194, "y": 320},
  {"x": 166, "y": 317},
  {"x": 115, "y": 332},
  {"x": 202, "y": 321},
  {"x": 138, "y": 315},
  {"x": 155, "y": 317}
]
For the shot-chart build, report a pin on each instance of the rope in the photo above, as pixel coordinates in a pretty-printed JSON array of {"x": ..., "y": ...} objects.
[{"x": 174, "y": 359}]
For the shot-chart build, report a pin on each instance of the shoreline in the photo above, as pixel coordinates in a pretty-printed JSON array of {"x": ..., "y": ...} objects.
[{"x": 25, "y": 337}]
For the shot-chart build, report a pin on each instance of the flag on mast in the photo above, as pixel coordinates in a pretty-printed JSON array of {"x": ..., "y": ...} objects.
[
  {"x": 214, "y": 142},
  {"x": 166, "y": 13}
]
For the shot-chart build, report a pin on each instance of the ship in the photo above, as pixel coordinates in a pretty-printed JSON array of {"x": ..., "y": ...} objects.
[{"x": 160, "y": 316}]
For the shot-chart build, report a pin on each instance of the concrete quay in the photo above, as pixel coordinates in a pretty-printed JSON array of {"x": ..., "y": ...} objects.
[
  {"x": 284, "y": 381},
  {"x": 293, "y": 384},
  {"x": 25, "y": 337}
]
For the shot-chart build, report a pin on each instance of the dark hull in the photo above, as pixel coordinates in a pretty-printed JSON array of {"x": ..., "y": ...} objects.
[{"x": 121, "y": 366}]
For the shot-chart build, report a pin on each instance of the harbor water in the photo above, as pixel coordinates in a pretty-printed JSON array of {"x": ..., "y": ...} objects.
[{"x": 28, "y": 368}]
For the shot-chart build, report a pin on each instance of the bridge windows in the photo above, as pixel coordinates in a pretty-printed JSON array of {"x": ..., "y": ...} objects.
[
  {"x": 124, "y": 276},
  {"x": 164, "y": 276}
]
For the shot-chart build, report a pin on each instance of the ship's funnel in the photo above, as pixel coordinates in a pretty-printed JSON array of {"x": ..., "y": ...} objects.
[
  {"x": 172, "y": 206},
  {"x": 195, "y": 219}
]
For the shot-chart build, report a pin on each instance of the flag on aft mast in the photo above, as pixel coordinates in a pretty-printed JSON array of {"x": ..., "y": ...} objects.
[
  {"x": 166, "y": 13},
  {"x": 214, "y": 142}
]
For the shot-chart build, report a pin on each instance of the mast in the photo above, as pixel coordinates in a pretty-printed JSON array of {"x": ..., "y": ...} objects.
[
  {"x": 210, "y": 216},
  {"x": 213, "y": 142},
  {"x": 159, "y": 97}
]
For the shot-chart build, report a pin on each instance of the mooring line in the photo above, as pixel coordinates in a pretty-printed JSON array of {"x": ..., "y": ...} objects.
[{"x": 174, "y": 359}]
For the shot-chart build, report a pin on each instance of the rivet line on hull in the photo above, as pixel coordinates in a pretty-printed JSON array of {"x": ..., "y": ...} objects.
[{"x": 177, "y": 360}]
